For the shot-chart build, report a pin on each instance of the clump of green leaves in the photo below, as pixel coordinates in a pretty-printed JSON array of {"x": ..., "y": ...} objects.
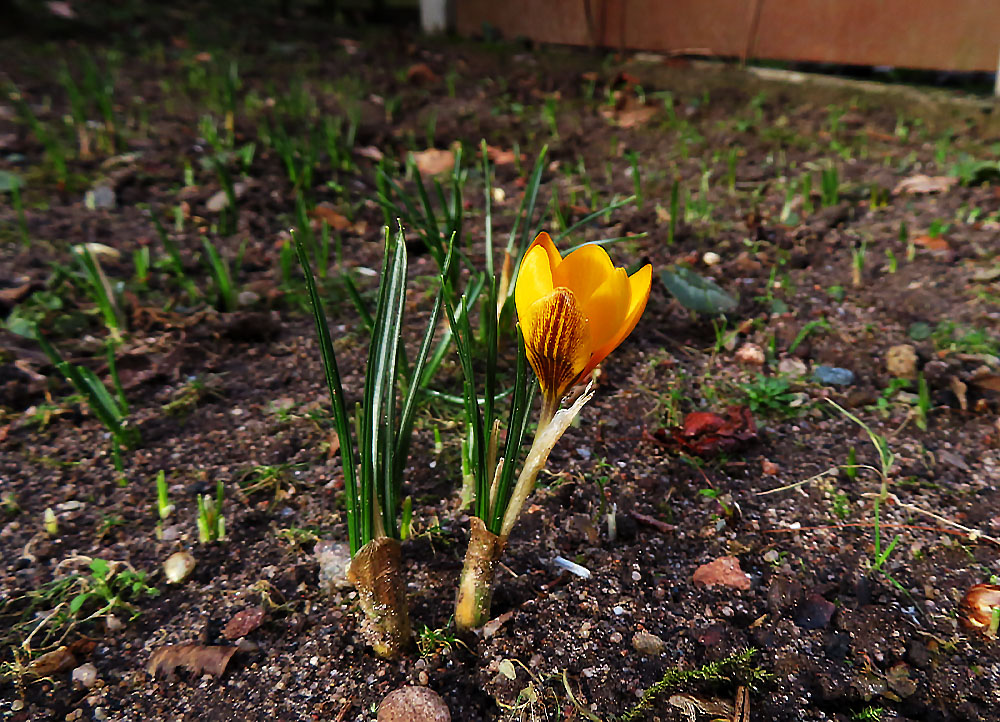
[
  {"x": 949, "y": 336},
  {"x": 111, "y": 408},
  {"x": 211, "y": 523},
  {"x": 163, "y": 506},
  {"x": 273, "y": 478},
  {"x": 770, "y": 395},
  {"x": 42, "y": 618},
  {"x": 434, "y": 641}
]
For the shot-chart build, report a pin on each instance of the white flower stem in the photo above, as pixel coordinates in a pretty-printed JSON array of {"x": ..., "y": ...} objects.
[{"x": 552, "y": 425}]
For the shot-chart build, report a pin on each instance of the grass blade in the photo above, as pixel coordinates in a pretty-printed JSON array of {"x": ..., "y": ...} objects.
[
  {"x": 341, "y": 420},
  {"x": 383, "y": 368},
  {"x": 592, "y": 216},
  {"x": 221, "y": 275}
]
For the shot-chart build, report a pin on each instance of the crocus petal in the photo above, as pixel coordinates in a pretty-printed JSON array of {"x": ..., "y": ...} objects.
[
  {"x": 584, "y": 270},
  {"x": 556, "y": 340},
  {"x": 534, "y": 281},
  {"x": 607, "y": 308},
  {"x": 639, "y": 284},
  {"x": 545, "y": 241}
]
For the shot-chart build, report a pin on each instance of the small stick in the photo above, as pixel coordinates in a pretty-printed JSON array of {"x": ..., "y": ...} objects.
[
  {"x": 883, "y": 525},
  {"x": 655, "y": 523},
  {"x": 344, "y": 710},
  {"x": 973, "y": 533}
]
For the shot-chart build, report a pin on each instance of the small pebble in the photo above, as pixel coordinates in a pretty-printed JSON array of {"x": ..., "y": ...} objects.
[
  {"x": 413, "y": 704},
  {"x": 178, "y": 567},
  {"x": 85, "y": 675},
  {"x": 791, "y": 366},
  {"x": 833, "y": 376},
  {"x": 648, "y": 644},
  {"x": 750, "y": 354},
  {"x": 333, "y": 558},
  {"x": 901, "y": 361},
  {"x": 113, "y": 623}
]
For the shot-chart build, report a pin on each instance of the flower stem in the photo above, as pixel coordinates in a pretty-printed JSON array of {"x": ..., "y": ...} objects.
[{"x": 552, "y": 424}]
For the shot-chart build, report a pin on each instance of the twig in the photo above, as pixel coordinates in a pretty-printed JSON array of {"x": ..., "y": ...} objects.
[
  {"x": 344, "y": 710},
  {"x": 660, "y": 526},
  {"x": 883, "y": 525},
  {"x": 787, "y": 487},
  {"x": 973, "y": 533}
]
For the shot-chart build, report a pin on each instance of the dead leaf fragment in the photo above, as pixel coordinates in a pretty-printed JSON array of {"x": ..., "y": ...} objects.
[
  {"x": 978, "y": 605},
  {"x": 243, "y": 623},
  {"x": 370, "y": 152},
  {"x": 336, "y": 221},
  {"x": 498, "y": 156},
  {"x": 705, "y": 433},
  {"x": 925, "y": 184},
  {"x": 691, "y": 706},
  {"x": 934, "y": 244},
  {"x": 421, "y": 74},
  {"x": 632, "y": 113},
  {"x": 13, "y": 295},
  {"x": 724, "y": 571},
  {"x": 493, "y": 626},
  {"x": 960, "y": 389},
  {"x": 990, "y": 382},
  {"x": 61, "y": 9},
  {"x": 54, "y": 662},
  {"x": 196, "y": 658},
  {"x": 434, "y": 161}
]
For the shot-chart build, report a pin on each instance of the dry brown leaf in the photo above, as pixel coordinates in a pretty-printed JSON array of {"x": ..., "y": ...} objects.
[
  {"x": 631, "y": 117},
  {"x": 243, "y": 623},
  {"x": 493, "y": 626},
  {"x": 501, "y": 157},
  {"x": 196, "y": 658},
  {"x": 370, "y": 152},
  {"x": 723, "y": 571},
  {"x": 935, "y": 244},
  {"x": 58, "y": 660},
  {"x": 959, "y": 388},
  {"x": 350, "y": 46},
  {"x": 336, "y": 221},
  {"x": 990, "y": 382},
  {"x": 630, "y": 114},
  {"x": 434, "y": 161},
  {"x": 925, "y": 184},
  {"x": 421, "y": 74},
  {"x": 333, "y": 444},
  {"x": 13, "y": 295}
]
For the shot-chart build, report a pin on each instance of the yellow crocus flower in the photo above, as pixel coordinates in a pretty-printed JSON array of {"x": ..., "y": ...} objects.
[{"x": 574, "y": 311}]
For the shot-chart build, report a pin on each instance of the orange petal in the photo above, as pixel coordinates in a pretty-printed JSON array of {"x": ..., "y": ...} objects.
[
  {"x": 607, "y": 308},
  {"x": 584, "y": 271},
  {"x": 639, "y": 284},
  {"x": 545, "y": 241},
  {"x": 534, "y": 281},
  {"x": 556, "y": 340}
]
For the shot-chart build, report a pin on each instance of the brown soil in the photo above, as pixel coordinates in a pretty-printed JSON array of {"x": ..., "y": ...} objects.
[{"x": 841, "y": 635}]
